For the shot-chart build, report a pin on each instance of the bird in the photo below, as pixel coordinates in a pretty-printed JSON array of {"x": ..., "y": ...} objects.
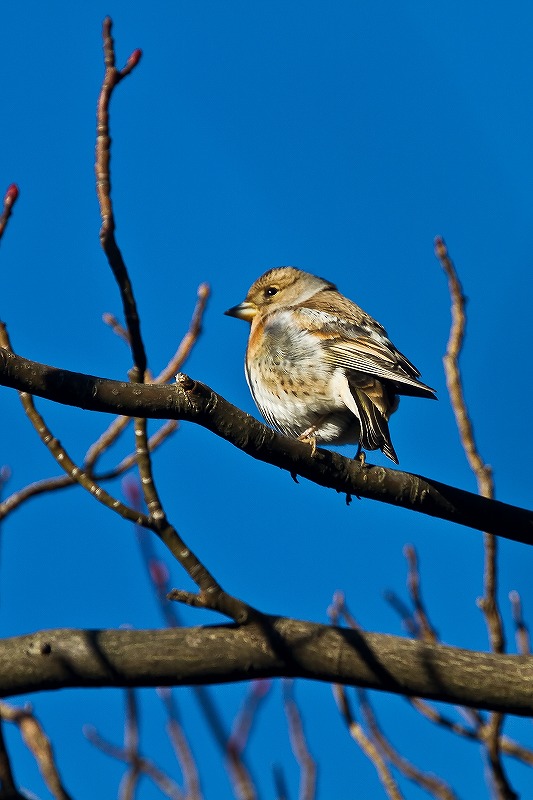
[{"x": 319, "y": 368}]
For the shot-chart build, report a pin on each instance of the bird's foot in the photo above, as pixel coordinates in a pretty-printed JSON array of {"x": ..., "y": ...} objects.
[
  {"x": 309, "y": 436},
  {"x": 360, "y": 455}
]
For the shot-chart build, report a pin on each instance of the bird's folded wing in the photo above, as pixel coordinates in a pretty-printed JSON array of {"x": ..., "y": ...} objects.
[
  {"x": 369, "y": 356},
  {"x": 359, "y": 347}
]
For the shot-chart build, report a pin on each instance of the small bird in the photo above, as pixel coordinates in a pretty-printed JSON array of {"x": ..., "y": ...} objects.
[{"x": 319, "y": 367}]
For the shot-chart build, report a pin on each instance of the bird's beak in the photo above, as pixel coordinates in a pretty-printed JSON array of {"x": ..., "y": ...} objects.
[{"x": 245, "y": 310}]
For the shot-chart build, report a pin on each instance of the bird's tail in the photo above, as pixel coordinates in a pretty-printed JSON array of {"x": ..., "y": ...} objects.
[{"x": 374, "y": 426}]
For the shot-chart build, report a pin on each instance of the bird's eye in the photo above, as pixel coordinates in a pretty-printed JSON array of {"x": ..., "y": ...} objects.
[{"x": 271, "y": 291}]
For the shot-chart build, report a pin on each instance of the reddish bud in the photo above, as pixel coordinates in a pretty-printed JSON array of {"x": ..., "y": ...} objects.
[
  {"x": 11, "y": 194},
  {"x": 134, "y": 59}
]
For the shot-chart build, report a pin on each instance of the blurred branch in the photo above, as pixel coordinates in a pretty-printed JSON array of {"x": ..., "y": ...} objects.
[
  {"x": 241, "y": 779},
  {"x": 181, "y": 746},
  {"x": 431, "y": 783},
  {"x": 367, "y": 745},
  {"x": 424, "y": 626},
  {"x": 194, "y": 402},
  {"x": 7, "y": 780},
  {"x": 299, "y": 745},
  {"x": 118, "y": 329},
  {"x": 129, "y": 783},
  {"x": 522, "y": 634},
  {"x": 142, "y": 766},
  {"x": 38, "y": 744}
]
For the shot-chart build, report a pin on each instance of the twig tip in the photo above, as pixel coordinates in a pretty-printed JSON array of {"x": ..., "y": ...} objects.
[
  {"x": 11, "y": 194},
  {"x": 441, "y": 251},
  {"x": 134, "y": 59}
]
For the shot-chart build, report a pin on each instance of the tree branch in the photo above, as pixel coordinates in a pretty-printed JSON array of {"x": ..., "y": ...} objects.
[
  {"x": 268, "y": 647},
  {"x": 192, "y": 401}
]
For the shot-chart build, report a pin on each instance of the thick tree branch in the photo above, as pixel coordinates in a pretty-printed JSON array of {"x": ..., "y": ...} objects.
[
  {"x": 194, "y": 402},
  {"x": 269, "y": 647}
]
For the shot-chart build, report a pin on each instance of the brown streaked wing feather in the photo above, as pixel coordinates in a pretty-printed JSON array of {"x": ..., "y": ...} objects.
[{"x": 349, "y": 344}]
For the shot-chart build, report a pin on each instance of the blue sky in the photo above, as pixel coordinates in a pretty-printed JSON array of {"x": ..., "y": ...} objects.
[{"x": 338, "y": 140}]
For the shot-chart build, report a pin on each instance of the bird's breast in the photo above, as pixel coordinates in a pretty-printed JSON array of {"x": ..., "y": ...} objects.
[{"x": 290, "y": 380}]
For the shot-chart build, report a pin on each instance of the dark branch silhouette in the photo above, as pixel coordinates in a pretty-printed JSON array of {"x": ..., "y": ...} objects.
[{"x": 193, "y": 401}]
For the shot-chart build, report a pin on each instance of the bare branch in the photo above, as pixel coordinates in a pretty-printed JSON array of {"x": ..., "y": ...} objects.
[
  {"x": 268, "y": 647},
  {"x": 431, "y": 783},
  {"x": 10, "y": 198},
  {"x": 191, "y": 337},
  {"x": 483, "y": 473},
  {"x": 7, "y": 781},
  {"x": 112, "y": 78},
  {"x": 242, "y": 781},
  {"x": 299, "y": 744},
  {"x": 193, "y": 401},
  {"x": 424, "y": 626},
  {"x": 144, "y": 765},
  {"x": 366, "y": 744},
  {"x": 65, "y": 481},
  {"x": 131, "y": 747},
  {"x": 522, "y": 634},
  {"x": 38, "y": 744},
  {"x": 212, "y": 594},
  {"x": 116, "y": 327},
  {"x": 181, "y": 746}
]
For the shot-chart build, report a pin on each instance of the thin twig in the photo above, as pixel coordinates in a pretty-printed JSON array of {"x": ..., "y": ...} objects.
[
  {"x": 521, "y": 630},
  {"x": 64, "y": 481},
  {"x": 299, "y": 745},
  {"x": 211, "y": 593},
  {"x": 10, "y": 198},
  {"x": 159, "y": 579},
  {"x": 7, "y": 780},
  {"x": 146, "y": 766},
  {"x": 112, "y": 78},
  {"x": 129, "y": 782},
  {"x": 366, "y": 744},
  {"x": 191, "y": 337},
  {"x": 431, "y": 783},
  {"x": 409, "y": 623},
  {"x": 118, "y": 329},
  {"x": 426, "y": 632},
  {"x": 483, "y": 474},
  {"x": 181, "y": 746},
  {"x": 243, "y": 784},
  {"x": 482, "y": 471},
  {"x": 39, "y": 745}
]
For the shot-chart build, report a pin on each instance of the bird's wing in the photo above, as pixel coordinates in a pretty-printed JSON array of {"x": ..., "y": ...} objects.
[{"x": 362, "y": 346}]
